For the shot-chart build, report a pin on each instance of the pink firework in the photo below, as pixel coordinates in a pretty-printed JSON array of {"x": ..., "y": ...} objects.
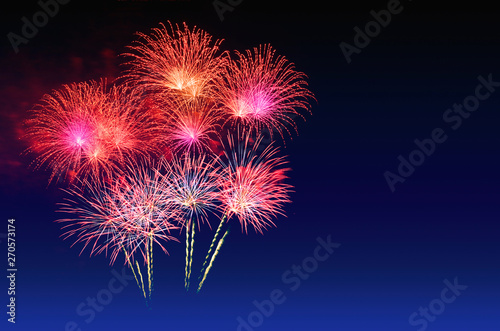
[
  {"x": 192, "y": 125},
  {"x": 252, "y": 186},
  {"x": 176, "y": 61},
  {"x": 87, "y": 130},
  {"x": 262, "y": 90}
]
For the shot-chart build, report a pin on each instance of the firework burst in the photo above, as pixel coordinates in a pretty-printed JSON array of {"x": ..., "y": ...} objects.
[
  {"x": 191, "y": 126},
  {"x": 251, "y": 188},
  {"x": 263, "y": 90},
  {"x": 179, "y": 95},
  {"x": 128, "y": 214},
  {"x": 85, "y": 129},
  {"x": 192, "y": 184},
  {"x": 176, "y": 61}
]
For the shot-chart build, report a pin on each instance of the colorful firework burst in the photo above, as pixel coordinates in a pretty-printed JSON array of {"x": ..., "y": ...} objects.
[
  {"x": 263, "y": 90},
  {"x": 191, "y": 126},
  {"x": 176, "y": 61},
  {"x": 179, "y": 93},
  {"x": 87, "y": 130},
  {"x": 251, "y": 187},
  {"x": 128, "y": 214},
  {"x": 192, "y": 182}
]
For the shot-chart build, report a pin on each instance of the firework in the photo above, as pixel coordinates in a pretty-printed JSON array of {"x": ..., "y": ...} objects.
[
  {"x": 87, "y": 130},
  {"x": 263, "y": 90},
  {"x": 192, "y": 184},
  {"x": 127, "y": 215},
  {"x": 179, "y": 95},
  {"x": 191, "y": 126},
  {"x": 251, "y": 188},
  {"x": 175, "y": 61}
]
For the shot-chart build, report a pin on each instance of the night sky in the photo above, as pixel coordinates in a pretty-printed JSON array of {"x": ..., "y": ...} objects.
[{"x": 394, "y": 223}]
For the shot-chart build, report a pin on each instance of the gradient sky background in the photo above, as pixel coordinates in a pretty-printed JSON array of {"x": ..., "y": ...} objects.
[{"x": 397, "y": 248}]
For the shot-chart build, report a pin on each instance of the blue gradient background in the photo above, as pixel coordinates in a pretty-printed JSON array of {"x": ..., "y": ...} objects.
[{"x": 396, "y": 248}]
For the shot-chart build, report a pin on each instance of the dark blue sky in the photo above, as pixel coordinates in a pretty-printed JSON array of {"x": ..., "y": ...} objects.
[{"x": 398, "y": 250}]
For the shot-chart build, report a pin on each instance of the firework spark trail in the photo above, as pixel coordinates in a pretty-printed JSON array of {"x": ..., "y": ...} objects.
[
  {"x": 251, "y": 188},
  {"x": 131, "y": 267},
  {"x": 219, "y": 245},
  {"x": 212, "y": 245},
  {"x": 262, "y": 90},
  {"x": 186, "y": 277},
  {"x": 92, "y": 130},
  {"x": 151, "y": 254},
  {"x": 149, "y": 258},
  {"x": 175, "y": 61},
  {"x": 191, "y": 254},
  {"x": 190, "y": 229},
  {"x": 142, "y": 280}
]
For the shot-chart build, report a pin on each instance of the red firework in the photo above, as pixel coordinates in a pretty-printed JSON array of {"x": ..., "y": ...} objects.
[
  {"x": 262, "y": 90},
  {"x": 87, "y": 130},
  {"x": 252, "y": 185},
  {"x": 176, "y": 62}
]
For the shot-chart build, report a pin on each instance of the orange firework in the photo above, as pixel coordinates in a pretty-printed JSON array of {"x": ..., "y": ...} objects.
[{"x": 176, "y": 62}]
